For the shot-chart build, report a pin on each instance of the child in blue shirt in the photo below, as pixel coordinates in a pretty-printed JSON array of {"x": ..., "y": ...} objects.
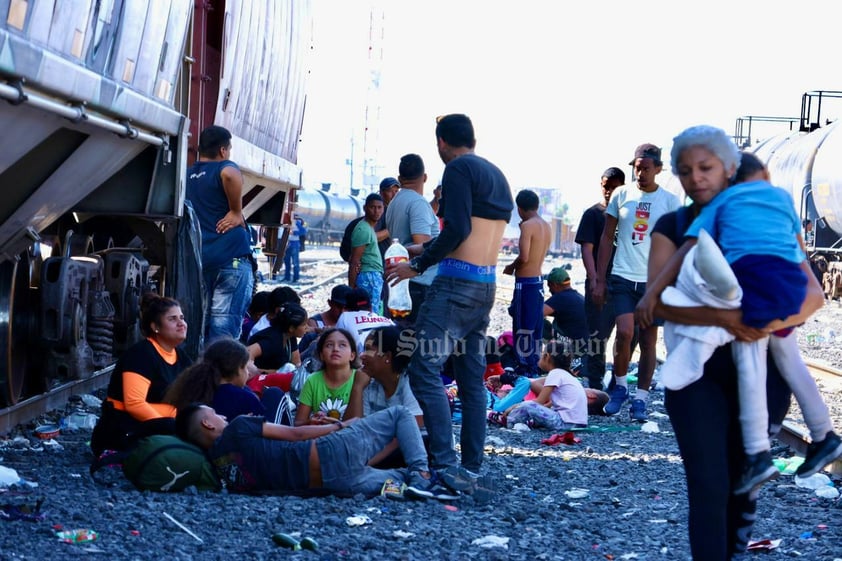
[{"x": 219, "y": 380}]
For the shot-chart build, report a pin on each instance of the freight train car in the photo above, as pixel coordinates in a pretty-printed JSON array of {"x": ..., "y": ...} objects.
[
  {"x": 563, "y": 242},
  {"x": 326, "y": 214},
  {"x": 104, "y": 100}
]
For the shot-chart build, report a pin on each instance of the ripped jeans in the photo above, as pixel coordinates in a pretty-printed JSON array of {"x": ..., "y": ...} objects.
[{"x": 228, "y": 292}]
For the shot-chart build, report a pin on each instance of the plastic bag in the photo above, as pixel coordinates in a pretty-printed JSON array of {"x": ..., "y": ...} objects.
[{"x": 301, "y": 374}]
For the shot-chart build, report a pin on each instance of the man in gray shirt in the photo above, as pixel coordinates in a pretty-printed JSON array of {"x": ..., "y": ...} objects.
[{"x": 410, "y": 219}]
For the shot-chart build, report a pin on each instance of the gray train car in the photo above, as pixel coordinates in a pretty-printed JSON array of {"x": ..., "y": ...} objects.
[
  {"x": 104, "y": 100},
  {"x": 326, "y": 214},
  {"x": 809, "y": 166}
]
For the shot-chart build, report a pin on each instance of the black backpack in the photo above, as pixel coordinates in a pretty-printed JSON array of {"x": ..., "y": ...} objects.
[{"x": 345, "y": 246}]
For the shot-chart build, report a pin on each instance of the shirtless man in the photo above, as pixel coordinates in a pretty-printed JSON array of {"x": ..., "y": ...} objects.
[
  {"x": 528, "y": 298},
  {"x": 476, "y": 205}
]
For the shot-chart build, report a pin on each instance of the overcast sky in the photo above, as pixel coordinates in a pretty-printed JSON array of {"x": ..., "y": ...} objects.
[{"x": 558, "y": 91}]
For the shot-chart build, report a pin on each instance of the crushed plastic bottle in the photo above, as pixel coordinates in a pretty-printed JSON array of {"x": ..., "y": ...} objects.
[
  {"x": 81, "y": 535},
  {"x": 8, "y": 476},
  {"x": 827, "y": 492},
  {"x": 577, "y": 493},
  {"x": 91, "y": 400},
  {"x": 79, "y": 420},
  {"x": 815, "y": 481},
  {"x": 650, "y": 426},
  {"x": 400, "y": 302}
]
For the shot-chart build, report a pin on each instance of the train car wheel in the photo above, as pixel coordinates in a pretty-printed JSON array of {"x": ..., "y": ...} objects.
[
  {"x": 78, "y": 245},
  {"x": 14, "y": 319}
]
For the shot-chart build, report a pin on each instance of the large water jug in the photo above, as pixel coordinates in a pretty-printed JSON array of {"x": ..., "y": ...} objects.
[{"x": 400, "y": 302}]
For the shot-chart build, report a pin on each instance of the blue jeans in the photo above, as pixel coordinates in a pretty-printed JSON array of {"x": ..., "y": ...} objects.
[
  {"x": 452, "y": 321},
  {"x": 344, "y": 455},
  {"x": 372, "y": 282},
  {"x": 541, "y": 417},
  {"x": 291, "y": 260},
  {"x": 228, "y": 292}
]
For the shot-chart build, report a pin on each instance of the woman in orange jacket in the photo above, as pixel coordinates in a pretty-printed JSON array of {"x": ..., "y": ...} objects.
[{"x": 134, "y": 404}]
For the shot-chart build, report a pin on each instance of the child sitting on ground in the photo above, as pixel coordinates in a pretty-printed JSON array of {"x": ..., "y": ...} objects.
[
  {"x": 562, "y": 403},
  {"x": 219, "y": 380}
]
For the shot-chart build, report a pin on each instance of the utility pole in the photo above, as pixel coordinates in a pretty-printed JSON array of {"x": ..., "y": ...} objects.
[
  {"x": 372, "y": 105},
  {"x": 350, "y": 161}
]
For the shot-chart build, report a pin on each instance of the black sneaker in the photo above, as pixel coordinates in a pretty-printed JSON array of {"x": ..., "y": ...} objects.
[
  {"x": 819, "y": 454},
  {"x": 757, "y": 470},
  {"x": 458, "y": 479},
  {"x": 420, "y": 488}
]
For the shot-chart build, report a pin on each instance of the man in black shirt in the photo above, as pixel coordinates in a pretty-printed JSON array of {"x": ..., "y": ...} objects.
[
  {"x": 600, "y": 320},
  {"x": 476, "y": 205}
]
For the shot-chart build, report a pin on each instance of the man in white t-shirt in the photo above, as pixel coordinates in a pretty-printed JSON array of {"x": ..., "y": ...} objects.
[
  {"x": 358, "y": 319},
  {"x": 631, "y": 215}
]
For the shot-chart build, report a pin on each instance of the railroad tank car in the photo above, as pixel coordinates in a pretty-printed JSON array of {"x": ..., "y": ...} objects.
[
  {"x": 809, "y": 166},
  {"x": 104, "y": 103},
  {"x": 326, "y": 214},
  {"x": 808, "y": 163}
]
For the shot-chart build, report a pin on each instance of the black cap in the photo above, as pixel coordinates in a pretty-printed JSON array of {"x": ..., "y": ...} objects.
[
  {"x": 647, "y": 151},
  {"x": 339, "y": 294},
  {"x": 357, "y": 299},
  {"x": 388, "y": 182}
]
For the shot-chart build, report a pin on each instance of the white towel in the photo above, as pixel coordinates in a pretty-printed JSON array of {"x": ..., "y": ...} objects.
[{"x": 690, "y": 346}]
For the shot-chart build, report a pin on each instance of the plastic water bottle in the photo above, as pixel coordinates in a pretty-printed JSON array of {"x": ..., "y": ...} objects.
[
  {"x": 400, "y": 302},
  {"x": 815, "y": 481}
]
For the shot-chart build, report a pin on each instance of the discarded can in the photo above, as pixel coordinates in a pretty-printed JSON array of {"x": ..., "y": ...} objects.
[
  {"x": 77, "y": 536},
  {"x": 309, "y": 543},
  {"x": 46, "y": 432},
  {"x": 285, "y": 540},
  {"x": 288, "y": 541}
]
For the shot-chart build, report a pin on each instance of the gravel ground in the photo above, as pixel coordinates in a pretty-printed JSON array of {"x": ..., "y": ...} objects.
[{"x": 617, "y": 494}]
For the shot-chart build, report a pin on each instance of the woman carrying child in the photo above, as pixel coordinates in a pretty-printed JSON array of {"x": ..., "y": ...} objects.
[{"x": 719, "y": 522}]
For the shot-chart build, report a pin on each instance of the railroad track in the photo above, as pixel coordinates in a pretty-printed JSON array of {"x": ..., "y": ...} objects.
[{"x": 796, "y": 436}]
